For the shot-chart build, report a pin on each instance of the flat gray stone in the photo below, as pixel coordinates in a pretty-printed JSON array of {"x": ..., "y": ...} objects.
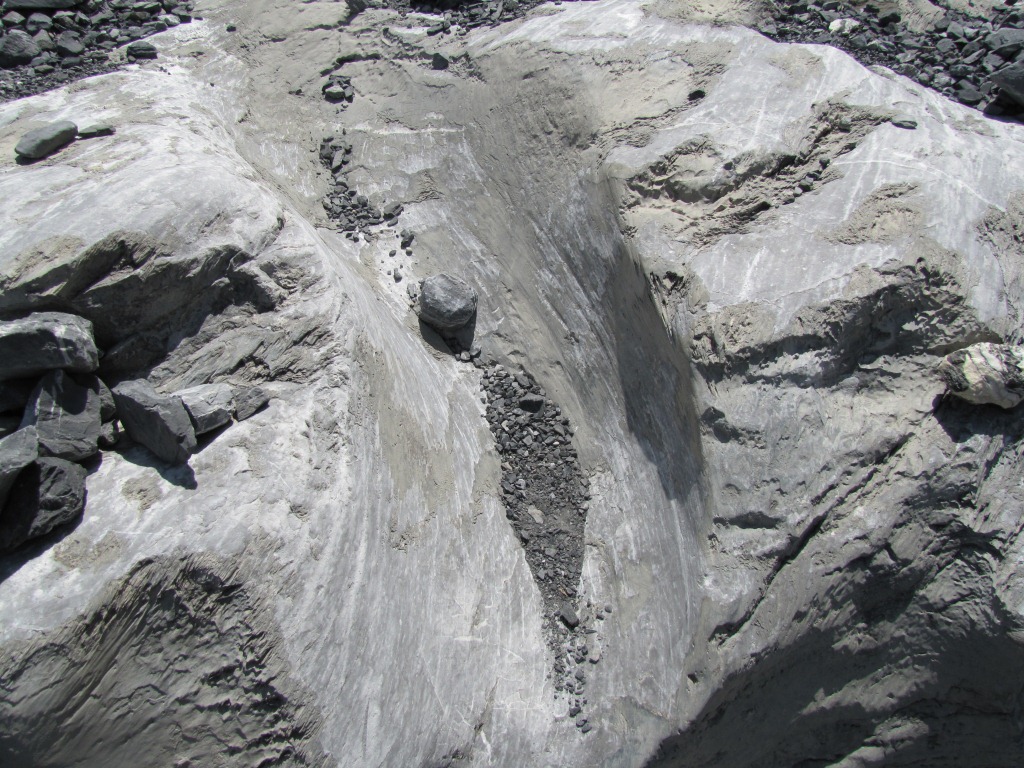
[
  {"x": 159, "y": 422},
  {"x": 47, "y": 494},
  {"x": 41, "y": 142},
  {"x": 568, "y": 615},
  {"x": 95, "y": 130},
  {"x": 66, "y": 416},
  {"x": 45, "y": 341},
  {"x": 446, "y": 303},
  {"x": 249, "y": 400},
  {"x": 209, "y": 405},
  {"x": 17, "y": 451},
  {"x": 17, "y": 47}
]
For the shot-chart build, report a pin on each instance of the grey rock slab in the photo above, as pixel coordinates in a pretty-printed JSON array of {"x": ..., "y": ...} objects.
[
  {"x": 249, "y": 400},
  {"x": 985, "y": 374},
  {"x": 142, "y": 50},
  {"x": 41, "y": 142},
  {"x": 17, "y": 451},
  {"x": 159, "y": 422},
  {"x": 44, "y": 341},
  {"x": 66, "y": 416},
  {"x": 1011, "y": 82},
  {"x": 47, "y": 494},
  {"x": 95, "y": 130},
  {"x": 209, "y": 405},
  {"x": 446, "y": 303},
  {"x": 17, "y": 47}
]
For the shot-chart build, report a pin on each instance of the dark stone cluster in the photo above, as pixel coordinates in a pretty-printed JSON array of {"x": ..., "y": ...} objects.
[
  {"x": 47, "y": 43},
  {"x": 978, "y": 63},
  {"x": 350, "y": 211},
  {"x": 57, "y": 414},
  {"x": 546, "y": 499},
  {"x": 467, "y": 14}
]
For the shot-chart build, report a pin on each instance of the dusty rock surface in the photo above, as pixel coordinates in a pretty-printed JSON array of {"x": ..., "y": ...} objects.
[{"x": 733, "y": 265}]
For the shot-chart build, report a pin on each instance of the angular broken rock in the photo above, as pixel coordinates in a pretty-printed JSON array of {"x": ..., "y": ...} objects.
[
  {"x": 568, "y": 615},
  {"x": 446, "y": 303},
  {"x": 47, "y": 494},
  {"x": 141, "y": 50},
  {"x": 249, "y": 400},
  {"x": 66, "y": 416},
  {"x": 40, "y": 142},
  {"x": 159, "y": 422},
  {"x": 17, "y": 47},
  {"x": 1011, "y": 82},
  {"x": 985, "y": 374},
  {"x": 17, "y": 451},
  {"x": 531, "y": 402},
  {"x": 45, "y": 341},
  {"x": 209, "y": 405}
]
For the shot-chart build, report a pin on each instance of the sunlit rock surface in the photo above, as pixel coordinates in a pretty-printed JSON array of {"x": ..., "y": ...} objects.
[{"x": 724, "y": 259}]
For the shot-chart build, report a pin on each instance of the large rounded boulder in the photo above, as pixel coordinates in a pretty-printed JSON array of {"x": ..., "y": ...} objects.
[{"x": 446, "y": 303}]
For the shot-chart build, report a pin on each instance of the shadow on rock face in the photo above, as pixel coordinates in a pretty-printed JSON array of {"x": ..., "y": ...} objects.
[
  {"x": 182, "y": 475},
  {"x": 450, "y": 343},
  {"x": 12, "y": 562},
  {"x": 962, "y": 420}
]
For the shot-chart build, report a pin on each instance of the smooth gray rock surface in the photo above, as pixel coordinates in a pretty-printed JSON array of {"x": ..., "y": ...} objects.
[
  {"x": 17, "y": 451},
  {"x": 41, "y": 142},
  {"x": 446, "y": 303},
  {"x": 66, "y": 416},
  {"x": 48, "y": 493},
  {"x": 158, "y": 422},
  {"x": 209, "y": 405},
  {"x": 45, "y": 341}
]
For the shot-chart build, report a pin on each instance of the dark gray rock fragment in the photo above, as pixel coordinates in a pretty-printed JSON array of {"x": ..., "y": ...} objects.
[
  {"x": 1011, "y": 82},
  {"x": 249, "y": 400},
  {"x": 531, "y": 402},
  {"x": 446, "y": 303},
  {"x": 41, "y": 142},
  {"x": 141, "y": 50},
  {"x": 44, "y": 341},
  {"x": 47, "y": 494},
  {"x": 17, "y": 47},
  {"x": 159, "y": 422},
  {"x": 110, "y": 435},
  {"x": 17, "y": 451},
  {"x": 209, "y": 406},
  {"x": 66, "y": 417},
  {"x": 568, "y": 615}
]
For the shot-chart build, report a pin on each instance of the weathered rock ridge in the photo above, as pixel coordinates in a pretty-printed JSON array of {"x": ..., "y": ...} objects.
[{"x": 733, "y": 266}]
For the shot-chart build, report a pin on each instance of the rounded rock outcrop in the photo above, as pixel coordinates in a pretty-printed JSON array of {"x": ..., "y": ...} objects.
[{"x": 446, "y": 303}]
